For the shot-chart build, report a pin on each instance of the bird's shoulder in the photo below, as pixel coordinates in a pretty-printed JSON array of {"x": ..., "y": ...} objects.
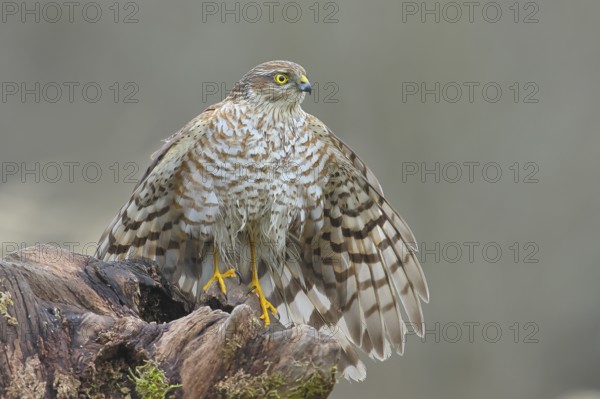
[
  {"x": 167, "y": 159},
  {"x": 342, "y": 150}
]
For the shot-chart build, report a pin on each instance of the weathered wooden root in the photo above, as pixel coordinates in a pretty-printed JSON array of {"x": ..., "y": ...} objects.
[{"x": 73, "y": 326}]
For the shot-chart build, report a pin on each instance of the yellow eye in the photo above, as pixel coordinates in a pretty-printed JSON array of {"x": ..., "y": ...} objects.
[{"x": 281, "y": 78}]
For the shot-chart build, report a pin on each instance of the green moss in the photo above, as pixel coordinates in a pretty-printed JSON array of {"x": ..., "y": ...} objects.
[
  {"x": 150, "y": 381},
  {"x": 236, "y": 339},
  {"x": 318, "y": 385},
  {"x": 5, "y": 302},
  {"x": 25, "y": 382},
  {"x": 230, "y": 347},
  {"x": 246, "y": 386},
  {"x": 109, "y": 379},
  {"x": 65, "y": 385}
]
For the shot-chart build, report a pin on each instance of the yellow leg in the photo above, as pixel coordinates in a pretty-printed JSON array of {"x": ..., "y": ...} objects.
[
  {"x": 217, "y": 275},
  {"x": 255, "y": 285}
]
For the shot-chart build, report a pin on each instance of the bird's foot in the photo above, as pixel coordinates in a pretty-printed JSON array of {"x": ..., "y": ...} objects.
[
  {"x": 220, "y": 277},
  {"x": 265, "y": 305}
]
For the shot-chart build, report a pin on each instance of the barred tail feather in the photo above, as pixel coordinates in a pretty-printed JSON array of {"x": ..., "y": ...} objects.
[{"x": 304, "y": 303}]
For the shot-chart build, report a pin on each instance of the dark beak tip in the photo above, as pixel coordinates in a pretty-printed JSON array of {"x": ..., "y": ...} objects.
[{"x": 306, "y": 87}]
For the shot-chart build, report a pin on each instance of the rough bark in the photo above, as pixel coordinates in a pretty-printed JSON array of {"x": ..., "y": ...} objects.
[{"x": 74, "y": 326}]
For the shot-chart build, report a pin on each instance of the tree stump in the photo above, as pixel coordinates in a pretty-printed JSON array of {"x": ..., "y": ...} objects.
[{"x": 72, "y": 326}]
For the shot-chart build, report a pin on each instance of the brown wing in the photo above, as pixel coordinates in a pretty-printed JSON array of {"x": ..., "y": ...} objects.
[
  {"x": 357, "y": 263},
  {"x": 153, "y": 224}
]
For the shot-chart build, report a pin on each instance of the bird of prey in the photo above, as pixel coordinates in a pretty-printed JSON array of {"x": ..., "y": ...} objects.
[{"x": 256, "y": 187}]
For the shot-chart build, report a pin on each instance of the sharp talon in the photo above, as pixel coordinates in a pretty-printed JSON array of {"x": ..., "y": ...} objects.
[{"x": 239, "y": 276}]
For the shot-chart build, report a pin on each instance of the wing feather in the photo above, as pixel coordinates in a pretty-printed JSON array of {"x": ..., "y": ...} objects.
[
  {"x": 153, "y": 224},
  {"x": 376, "y": 270}
]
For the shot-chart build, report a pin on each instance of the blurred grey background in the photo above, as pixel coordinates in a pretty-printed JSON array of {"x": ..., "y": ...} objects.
[{"x": 500, "y": 184}]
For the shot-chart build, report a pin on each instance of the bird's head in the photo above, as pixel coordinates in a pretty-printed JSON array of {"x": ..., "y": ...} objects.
[{"x": 279, "y": 83}]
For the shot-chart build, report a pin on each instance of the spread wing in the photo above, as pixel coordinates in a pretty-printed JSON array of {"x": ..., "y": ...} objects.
[
  {"x": 164, "y": 219},
  {"x": 357, "y": 266}
]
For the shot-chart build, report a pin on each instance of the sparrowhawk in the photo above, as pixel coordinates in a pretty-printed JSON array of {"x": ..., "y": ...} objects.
[{"x": 257, "y": 184}]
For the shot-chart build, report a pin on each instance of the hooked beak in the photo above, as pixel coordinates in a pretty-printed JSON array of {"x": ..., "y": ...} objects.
[{"x": 304, "y": 85}]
